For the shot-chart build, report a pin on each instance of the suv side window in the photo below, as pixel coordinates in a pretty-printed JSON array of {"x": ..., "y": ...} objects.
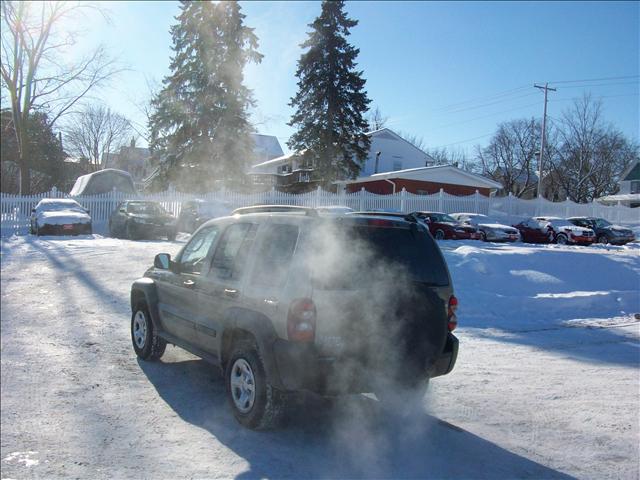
[
  {"x": 196, "y": 250},
  {"x": 274, "y": 255},
  {"x": 231, "y": 253}
]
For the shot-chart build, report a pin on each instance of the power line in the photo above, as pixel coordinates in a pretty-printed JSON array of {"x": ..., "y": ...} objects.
[
  {"x": 600, "y": 85},
  {"x": 463, "y": 141},
  {"x": 483, "y": 116},
  {"x": 481, "y": 99},
  {"x": 490, "y": 103},
  {"x": 596, "y": 79},
  {"x": 597, "y": 98}
]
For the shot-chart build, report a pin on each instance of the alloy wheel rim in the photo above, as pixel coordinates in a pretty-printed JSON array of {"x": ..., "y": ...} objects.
[
  {"x": 243, "y": 385},
  {"x": 139, "y": 329}
]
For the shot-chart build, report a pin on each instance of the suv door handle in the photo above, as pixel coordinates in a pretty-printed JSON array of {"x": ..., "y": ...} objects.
[
  {"x": 188, "y": 283},
  {"x": 230, "y": 292}
]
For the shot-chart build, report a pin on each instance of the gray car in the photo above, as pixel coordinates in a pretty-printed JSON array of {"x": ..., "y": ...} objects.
[
  {"x": 491, "y": 230},
  {"x": 283, "y": 300}
]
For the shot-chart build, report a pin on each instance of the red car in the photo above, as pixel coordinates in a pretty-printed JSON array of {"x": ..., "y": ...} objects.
[
  {"x": 445, "y": 227},
  {"x": 554, "y": 230},
  {"x": 564, "y": 232},
  {"x": 534, "y": 231}
]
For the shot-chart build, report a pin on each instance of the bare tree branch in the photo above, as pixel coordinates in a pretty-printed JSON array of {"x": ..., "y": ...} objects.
[
  {"x": 96, "y": 132},
  {"x": 32, "y": 76}
]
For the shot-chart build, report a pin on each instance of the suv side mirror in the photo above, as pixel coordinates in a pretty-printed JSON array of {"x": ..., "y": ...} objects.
[{"x": 162, "y": 261}]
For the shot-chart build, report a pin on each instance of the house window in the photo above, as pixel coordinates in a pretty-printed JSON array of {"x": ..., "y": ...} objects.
[
  {"x": 635, "y": 186},
  {"x": 422, "y": 192}
]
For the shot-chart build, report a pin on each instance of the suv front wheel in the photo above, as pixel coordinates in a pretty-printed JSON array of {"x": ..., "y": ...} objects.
[
  {"x": 255, "y": 403},
  {"x": 147, "y": 345}
]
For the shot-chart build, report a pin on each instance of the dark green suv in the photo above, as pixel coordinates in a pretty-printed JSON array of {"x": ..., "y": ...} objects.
[{"x": 283, "y": 300}]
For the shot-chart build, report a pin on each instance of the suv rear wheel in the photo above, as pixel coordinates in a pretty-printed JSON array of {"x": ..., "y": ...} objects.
[
  {"x": 255, "y": 403},
  {"x": 439, "y": 235},
  {"x": 147, "y": 345}
]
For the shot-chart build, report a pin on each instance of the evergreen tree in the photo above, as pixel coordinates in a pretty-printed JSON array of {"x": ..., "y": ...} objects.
[
  {"x": 200, "y": 131},
  {"x": 331, "y": 102}
]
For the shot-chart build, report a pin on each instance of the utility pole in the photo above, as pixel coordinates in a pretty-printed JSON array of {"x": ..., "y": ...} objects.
[{"x": 546, "y": 88}]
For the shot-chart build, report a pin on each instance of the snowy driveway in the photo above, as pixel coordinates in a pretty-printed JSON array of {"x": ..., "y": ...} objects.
[{"x": 546, "y": 386}]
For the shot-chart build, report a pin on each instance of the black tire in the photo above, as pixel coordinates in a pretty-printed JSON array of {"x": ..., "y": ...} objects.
[
  {"x": 171, "y": 235},
  {"x": 483, "y": 236},
  {"x": 439, "y": 235},
  {"x": 129, "y": 232},
  {"x": 268, "y": 404},
  {"x": 603, "y": 239},
  {"x": 153, "y": 347},
  {"x": 562, "y": 239}
]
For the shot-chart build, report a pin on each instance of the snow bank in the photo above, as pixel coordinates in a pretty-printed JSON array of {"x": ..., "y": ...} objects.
[{"x": 518, "y": 286}]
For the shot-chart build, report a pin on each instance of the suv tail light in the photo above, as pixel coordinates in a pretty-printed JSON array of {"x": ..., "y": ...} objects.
[
  {"x": 453, "y": 320},
  {"x": 301, "y": 320}
]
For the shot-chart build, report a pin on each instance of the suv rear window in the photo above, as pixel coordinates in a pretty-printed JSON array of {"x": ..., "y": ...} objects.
[
  {"x": 358, "y": 252},
  {"x": 274, "y": 254}
]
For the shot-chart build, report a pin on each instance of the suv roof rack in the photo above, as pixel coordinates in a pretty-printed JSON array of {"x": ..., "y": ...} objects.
[
  {"x": 404, "y": 216},
  {"x": 312, "y": 212}
]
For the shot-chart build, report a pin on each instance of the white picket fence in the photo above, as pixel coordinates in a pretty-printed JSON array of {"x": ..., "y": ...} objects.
[{"x": 16, "y": 210}]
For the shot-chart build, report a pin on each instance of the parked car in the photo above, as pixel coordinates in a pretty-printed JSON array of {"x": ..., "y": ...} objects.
[
  {"x": 534, "y": 231},
  {"x": 282, "y": 300},
  {"x": 195, "y": 212},
  {"x": 60, "y": 216},
  {"x": 564, "y": 232},
  {"x": 135, "y": 219},
  {"x": 334, "y": 210},
  {"x": 606, "y": 232},
  {"x": 445, "y": 227},
  {"x": 490, "y": 229}
]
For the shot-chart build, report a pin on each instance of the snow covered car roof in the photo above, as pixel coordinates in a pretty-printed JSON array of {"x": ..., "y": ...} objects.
[{"x": 53, "y": 204}]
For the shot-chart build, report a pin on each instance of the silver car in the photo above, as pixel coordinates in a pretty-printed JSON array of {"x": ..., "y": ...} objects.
[{"x": 491, "y": 230}]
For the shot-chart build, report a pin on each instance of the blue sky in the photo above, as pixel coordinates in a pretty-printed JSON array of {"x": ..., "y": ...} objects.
[{"x": 448, "y": 72}]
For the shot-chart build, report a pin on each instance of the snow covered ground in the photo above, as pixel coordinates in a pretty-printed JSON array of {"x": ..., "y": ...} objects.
[{"x": 547, "y": 383}]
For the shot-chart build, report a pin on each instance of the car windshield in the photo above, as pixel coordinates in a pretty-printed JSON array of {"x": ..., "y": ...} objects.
[
  {"x": 602, "y": 223},
  {"x": 60, "y": 205},
  {"x": 559, "y": 223},
  {"x": 147, "y": 208},
  {"x": 443, "y": 217},
  {"x": 355, "y": 256}
]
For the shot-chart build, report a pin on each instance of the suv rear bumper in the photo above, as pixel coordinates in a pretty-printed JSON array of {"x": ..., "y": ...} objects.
[{"x": 300, "y": 367}]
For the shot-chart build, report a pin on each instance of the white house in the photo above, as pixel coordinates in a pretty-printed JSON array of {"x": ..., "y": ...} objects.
[
  {"x": 629, "y": 194},
  {"x": 388, "y": 152}
]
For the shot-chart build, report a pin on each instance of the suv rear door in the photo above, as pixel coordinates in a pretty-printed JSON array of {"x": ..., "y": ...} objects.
[
  {"x": 273, "y": 255},
  {"x": 221, "y": 288}
]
